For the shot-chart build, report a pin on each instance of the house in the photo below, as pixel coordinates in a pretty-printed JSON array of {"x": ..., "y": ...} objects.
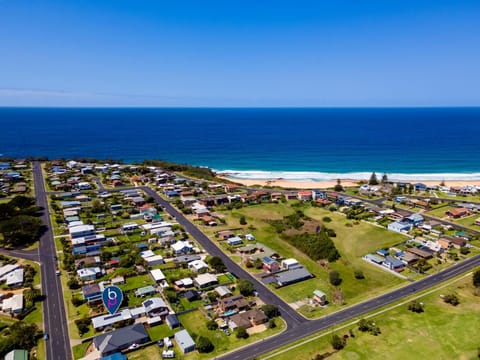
[
  {"x": 319, "y": 297},
  {"x": 155, "y": 307},
  {"x": 383, "y": 252},
  {"x": 172, "y": 321},
  {"x": 17, "y": 355},
  {"x": 192, "y": 295},
  {"x": 399, "y": 226},
  {"x": 247, "y": 319},
  {"x": 87, "y": 261},
  {"x": 14, "y": 278},
  {"x": 108, "y": 320},
  {"x": 157, "y": 275},
  {"x": 222, "y": 291},
  {"x": 415, "y": 219},
  {"x": 270, "y": 264},
  {"x": 145, "y": 291},
  {"x": 420, "y": 253},
  {"x": 236, "y": 303},
  {"x": 181, "y": 247},
  {"x": 118, "y": 280},
  {"x": 304, "y": 195},
  {"x": 81, "y": 231},
  {"x": 291, "y": 195},
  {"x": 7, "y": 269},
  {"x": 226, "y": 234},
  {"x": 292, "y": 276},
  {"x": 197, "y": 266},
  {"x": 419, "y": 187},
  {"x": 154, "y": 260},
  {"x": 456, "y": 242},
  {"x": 185, "y": 259},
  {"x": 393, "y": 264},
  {"x": 373, "y": 258},
  {"x": 205, "y": 280},
  {"x": 92, "y": 293},
  {"x": 289, "y": 263},
  {"x": 13, "y": 305},
  {"x": 89, "y": 273},
  {"x": 185, "y": 282},
  {"x": 275, "y": 196},
  {"x": 184, "y": 341},
  {"x": 121, "y": 339},
  {"x": 457, "y": 212},
  {"x": 234, "y": 241}
]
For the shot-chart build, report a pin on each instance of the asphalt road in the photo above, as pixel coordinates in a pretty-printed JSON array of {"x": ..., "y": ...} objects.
[
  {"x": 299, "y": 327},
  {"x": 55, "y": 320},
  {"x": 292, "y": 318},
  {"x": 31, "y": 255}
]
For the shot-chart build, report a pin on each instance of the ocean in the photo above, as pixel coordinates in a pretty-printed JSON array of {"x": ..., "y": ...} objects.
[{"x": 259, "y": 143}]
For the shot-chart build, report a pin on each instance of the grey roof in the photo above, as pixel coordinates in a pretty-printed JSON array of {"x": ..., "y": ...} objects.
[
  {"x": 186, "y": 258},
  {"x": 172, "y": 320},
  {"x": 292, "y": 276},
  {"x": 121, "y": 338},
  {"x": 185, "y": 341}
]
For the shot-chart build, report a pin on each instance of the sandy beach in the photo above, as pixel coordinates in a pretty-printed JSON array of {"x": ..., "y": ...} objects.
[{"x": 330, "y": 184}]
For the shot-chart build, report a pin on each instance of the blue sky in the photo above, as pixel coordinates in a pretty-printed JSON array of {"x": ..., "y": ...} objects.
[{"x": 239, "y": 53}]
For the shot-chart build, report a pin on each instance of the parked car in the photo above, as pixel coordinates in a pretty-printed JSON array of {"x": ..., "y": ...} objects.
[
  {"x": 226, "y": 332},
  {"x": 133, "y": 347},
  {"x": 160, "y": 343},
  {"x": 45, "y": 336}
]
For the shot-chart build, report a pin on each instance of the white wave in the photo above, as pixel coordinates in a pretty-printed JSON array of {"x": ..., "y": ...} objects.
[{"x": 324, "y": 176}]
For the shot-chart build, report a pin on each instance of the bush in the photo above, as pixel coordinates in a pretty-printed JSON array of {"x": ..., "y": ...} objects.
[
  {"x": 335, "y": 278},
  {"x": 359, "y": 274},
  {"x": 243, "y": 221},
  {"x": 270, "y": 310},
  {"x": 337, "y": 342},
  {"x": 83, "y": 325},
  {"x": 212, "y": 325},
  {"x": 245, "y": 287},
  {"x": 204, "y": 345},
  {"x": 241, "y": 333},
  {"x": 415, "y": 306},
  {"x": 326, "y": 219},
  {"x": 451, "y": 299}
]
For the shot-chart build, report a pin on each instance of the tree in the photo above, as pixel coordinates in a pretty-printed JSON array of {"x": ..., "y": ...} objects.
[
  {"x": 270, "y": 310},
  {"x": 21, "y": 230},
  {"x": 415, "y": 306},
  {"x": 212, "y": 325},
  {"x": 83, "y": 325},
  {"x": 359, "y": 274},
  {"x": 217, "y": 264},
  {"x": 384, "y": 178},
  {"x": 337, "y": 342},
  {"x": 339, "y": 186},
  {"x": 204, "y": 345},
  {"x": 241, "y": 333},
  {"x": 335, "y": 278},
  {"x": 451, "y": 299},
  {"x": 22, "y": 335},
  {"x": 476, "y": 278},
  {"x": 373, "y": 179},
  {"x": 243, "y": 221},
  {"x": 245, "y": 287}
]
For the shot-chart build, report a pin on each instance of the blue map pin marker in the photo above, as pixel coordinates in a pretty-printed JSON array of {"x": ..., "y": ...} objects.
[{"x": 112, "y": 298}]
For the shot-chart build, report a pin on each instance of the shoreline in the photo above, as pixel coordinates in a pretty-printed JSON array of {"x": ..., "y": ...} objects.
[{"x": 326, "y": 184}]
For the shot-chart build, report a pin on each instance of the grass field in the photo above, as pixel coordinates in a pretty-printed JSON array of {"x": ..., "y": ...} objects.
[
  {"x": 352, "y": 242},
  {"x": 441, "y": 332}
]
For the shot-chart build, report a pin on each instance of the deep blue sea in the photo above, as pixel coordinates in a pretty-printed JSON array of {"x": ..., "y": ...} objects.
[{"x": 292, "y": 143}]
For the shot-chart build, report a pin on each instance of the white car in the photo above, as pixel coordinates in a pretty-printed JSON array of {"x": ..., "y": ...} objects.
[{"x": 133, "y": 347}]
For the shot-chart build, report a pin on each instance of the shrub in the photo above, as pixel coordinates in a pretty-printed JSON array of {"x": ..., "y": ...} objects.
[
  {"x": 204, "y": 345},
  {"x": 335, "y": 278},
  {"x": 451, "y": 299},
  {"x": 241, "y": 333},
  {"x": 359, "y": 274},
  {"x": 415, "y": 306},
  {"x": 337, "y": 342},
  {"x": 212, "y": 325}
]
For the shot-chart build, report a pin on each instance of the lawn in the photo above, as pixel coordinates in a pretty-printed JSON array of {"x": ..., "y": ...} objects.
[
  {"x": 159, "y": 332},
  {"x": 195, "y": 322},
  {"x": 352, "y": 242},
  {"x": 79, "y": 350},
  {"x": 136, "y": 282},
  {"x": 441, "y": 332}
]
